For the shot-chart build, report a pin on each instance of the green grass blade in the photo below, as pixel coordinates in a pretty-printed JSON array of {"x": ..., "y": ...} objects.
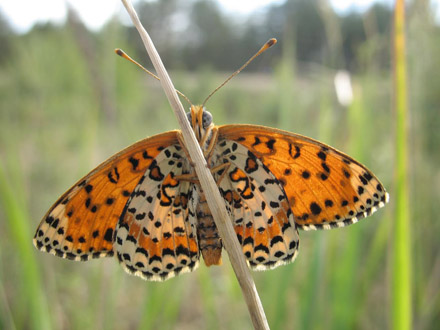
[
  {"x": 401, "y": 276},
  {"x": 18, "y": 225}
]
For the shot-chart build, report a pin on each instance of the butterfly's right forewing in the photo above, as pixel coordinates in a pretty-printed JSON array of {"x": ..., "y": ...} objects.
[{"x": 325, "y": 187}]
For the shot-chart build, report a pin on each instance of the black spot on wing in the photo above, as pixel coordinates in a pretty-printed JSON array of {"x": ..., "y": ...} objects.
[
  {"x": 305, "y": 174},
  {"x": 109, "y": 235},
  {"x": 134, "y": 163},
  {"x": 295, "y": 154},
  {"x": 315, "y": 208},
  {"x": 270, "y": 144},
  {"x": 322, "y": 155},
  {"x": 113, "y": 175}
]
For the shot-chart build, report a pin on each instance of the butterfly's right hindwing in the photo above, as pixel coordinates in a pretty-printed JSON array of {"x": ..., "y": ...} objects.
[{"x": 259, "y": 208}]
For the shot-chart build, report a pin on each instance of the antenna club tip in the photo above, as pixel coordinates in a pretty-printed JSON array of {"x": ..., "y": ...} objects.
[
  {"x": 271, "y": 42},
  {"x": 119, "y": 51}
]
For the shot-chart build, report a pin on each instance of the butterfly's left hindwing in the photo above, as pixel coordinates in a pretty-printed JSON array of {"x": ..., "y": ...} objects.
[
  {"x": 80, "y": 225},
  {"x": 325, "y": 187},
  {"x": 156, "y": 235}
]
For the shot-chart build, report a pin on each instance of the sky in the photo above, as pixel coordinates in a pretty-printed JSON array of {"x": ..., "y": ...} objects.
[{"x": 23, "y": 14}]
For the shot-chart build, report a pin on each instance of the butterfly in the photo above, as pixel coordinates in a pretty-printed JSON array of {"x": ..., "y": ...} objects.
[{"x": 145, "y": 204}]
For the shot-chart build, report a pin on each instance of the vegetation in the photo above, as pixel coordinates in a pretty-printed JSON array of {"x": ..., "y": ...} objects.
[
  {"x": 402, "y": 256},
  {"x": 67, "y": 103}
]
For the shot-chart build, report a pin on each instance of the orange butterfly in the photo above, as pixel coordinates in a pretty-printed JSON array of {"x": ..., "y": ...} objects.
[{"x": 145, "y": 204}]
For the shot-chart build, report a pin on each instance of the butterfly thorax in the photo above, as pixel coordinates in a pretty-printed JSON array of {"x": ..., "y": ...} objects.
[{"x": 210, "y": 243}]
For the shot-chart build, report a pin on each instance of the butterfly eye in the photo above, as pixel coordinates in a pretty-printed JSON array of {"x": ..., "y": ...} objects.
[
  {"x": 207, "y": 118},
  {"x": 188, "y": 115}
]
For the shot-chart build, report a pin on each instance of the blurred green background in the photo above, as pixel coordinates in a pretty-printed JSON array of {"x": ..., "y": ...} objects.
[{"x": 67, "y": 103}]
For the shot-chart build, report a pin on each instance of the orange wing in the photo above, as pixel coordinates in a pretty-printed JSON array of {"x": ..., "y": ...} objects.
[
  {"x": 325, "y": 187},
  {"x": 81, "y": 224}
]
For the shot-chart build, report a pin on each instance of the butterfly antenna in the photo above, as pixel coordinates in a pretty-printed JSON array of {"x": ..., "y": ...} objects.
[
  {"x": 266, "y": 46},
  {"x": 123, "y": 54}
]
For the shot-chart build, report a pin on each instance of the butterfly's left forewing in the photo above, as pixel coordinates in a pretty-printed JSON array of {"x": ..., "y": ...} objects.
[
  {"x": 325, "y": 187},
  {"x": 80, "y": 225}
]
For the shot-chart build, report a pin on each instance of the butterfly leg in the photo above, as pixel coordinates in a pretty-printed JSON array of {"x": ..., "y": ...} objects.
[
  {"x": 210, "y": 150},
  {"x": 192, "y": 177},
  {"x": 222, "y": 167},
  {"x": 185, "y": 150}
]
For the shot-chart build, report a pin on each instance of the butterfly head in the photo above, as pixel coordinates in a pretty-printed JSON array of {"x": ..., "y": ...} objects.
[
  {"x": 201, "y": 122},
  {"x": 199, "y": 116}
]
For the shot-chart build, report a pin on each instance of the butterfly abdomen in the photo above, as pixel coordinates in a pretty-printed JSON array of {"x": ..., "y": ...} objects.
[{"x": 210, "y": 243}]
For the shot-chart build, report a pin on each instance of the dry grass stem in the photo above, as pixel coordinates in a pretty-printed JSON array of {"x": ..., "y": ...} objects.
[{"x": 209, "y": 186}]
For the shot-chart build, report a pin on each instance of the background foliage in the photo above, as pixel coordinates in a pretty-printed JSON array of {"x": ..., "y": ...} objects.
[{"x": 67, "y": 103}]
